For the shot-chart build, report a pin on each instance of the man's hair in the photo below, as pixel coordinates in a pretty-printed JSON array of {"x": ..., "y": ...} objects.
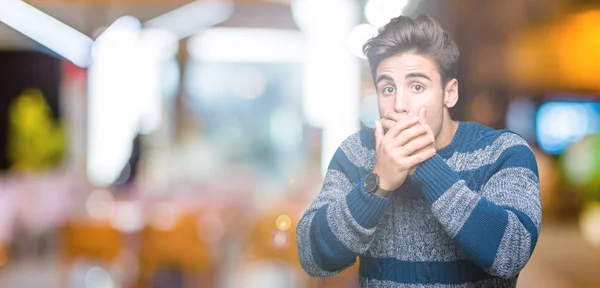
[{"x": 422, "y": 35}]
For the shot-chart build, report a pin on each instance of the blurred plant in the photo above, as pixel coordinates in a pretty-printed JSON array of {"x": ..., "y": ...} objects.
[
  {"x": 36, "y": 141},
  {"x": 581, "y": 166}
]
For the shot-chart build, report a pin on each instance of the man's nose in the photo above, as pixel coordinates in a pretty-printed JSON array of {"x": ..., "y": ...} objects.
[{"x": 401, "y": 105}]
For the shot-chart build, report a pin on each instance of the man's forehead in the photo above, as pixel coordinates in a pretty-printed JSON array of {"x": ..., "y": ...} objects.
[{"x": 405, "y": 64}]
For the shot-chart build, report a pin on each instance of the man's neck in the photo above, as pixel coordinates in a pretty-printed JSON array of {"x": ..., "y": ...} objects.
[{"x": 447, "y": 134}]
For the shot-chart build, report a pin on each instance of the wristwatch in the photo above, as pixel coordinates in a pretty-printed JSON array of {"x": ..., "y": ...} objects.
[{"x": 371, "y": 183}]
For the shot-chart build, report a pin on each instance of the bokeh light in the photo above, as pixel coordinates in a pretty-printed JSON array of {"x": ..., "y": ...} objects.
[
  {"x": 280, "y": 239},
  {"x": 283, "y": 222},
  {"x": 127, "y": 217},
  {"x": 589, "y": 223},
  {"x": 100, "y": 204},
  {"x": 98, "y": 277},
  {"x": 380, "y": 12},
  {"x": 164, "y": 217},
  {"x": 560, "y": 124},
  {"x": 358, "y": 37}
]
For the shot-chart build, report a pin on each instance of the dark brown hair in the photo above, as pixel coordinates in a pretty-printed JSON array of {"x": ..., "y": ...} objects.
[{"x": 422, "y": 35}]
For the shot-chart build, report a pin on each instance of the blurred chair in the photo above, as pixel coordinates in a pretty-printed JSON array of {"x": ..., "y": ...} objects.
[
  {"x": 93, "y": 241},
  {"x": 270, "y": 249},
  {"x": 175, "y": 256},
  {"x": 272, "y": 238}
]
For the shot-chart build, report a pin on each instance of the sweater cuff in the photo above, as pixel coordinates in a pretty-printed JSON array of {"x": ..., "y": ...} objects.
[
  {"x": 435, "y": 177},
  {"x": 366, "y": 208}
]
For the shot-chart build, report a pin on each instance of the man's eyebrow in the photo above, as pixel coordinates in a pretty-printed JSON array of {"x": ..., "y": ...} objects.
[
  {"x": 383, "y": 77},
  {"x": 417, "y": 75}
]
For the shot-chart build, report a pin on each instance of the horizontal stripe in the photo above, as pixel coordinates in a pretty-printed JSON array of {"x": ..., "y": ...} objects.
[
  {"x": 340, "y": 162},
  {"x": 411, "y": 272},
  {"x": 306, "y": 244},
  {"x": 366, "y": 208},
  {"x": 482, "y": 232},
  {"x": 463, "y": 161},
  {"x": 358, "y": 154},
  {"x": 434, "y": 177},
  {"x": 529, "y": 226},
  {"x": 454, "y": 207},
  {"x": 514, "y": 249},
  {"x": 495, "y": 282},
  {"x": 328, "y": 252},
  {"x": 517, "y": 188}
]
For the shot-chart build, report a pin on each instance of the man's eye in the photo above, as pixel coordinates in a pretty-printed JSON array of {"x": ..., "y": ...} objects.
[
  {"x": 417, "y": 88},
  {"x": 388, "y": 90}
]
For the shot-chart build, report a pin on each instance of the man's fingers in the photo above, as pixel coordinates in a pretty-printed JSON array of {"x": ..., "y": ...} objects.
[
  {"x": 399, "y": 127},
  {"x": 398, "y": 117},
  {"x": 422, "y": 118},
  {"x": 418, "y": 144},
  {"x": 378, "y": 133},
  {"x": 409, "y": 134},
  {"x": 387, "y": 124},
  {"x": 419, "y": 158}
]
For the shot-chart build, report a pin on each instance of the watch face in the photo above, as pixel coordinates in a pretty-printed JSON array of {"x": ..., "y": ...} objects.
[{"x": 371, "y": 182}]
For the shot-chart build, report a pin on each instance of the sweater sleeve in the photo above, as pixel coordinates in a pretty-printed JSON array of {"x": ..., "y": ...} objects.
[
  {"x": 496, "y": 228},
  {"x": 340, "y": 223}
]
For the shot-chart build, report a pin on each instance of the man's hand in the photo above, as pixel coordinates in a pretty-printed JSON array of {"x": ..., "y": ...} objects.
[
  {"x": 392, "y": 117},
  {"x": 406, "y": 144}
]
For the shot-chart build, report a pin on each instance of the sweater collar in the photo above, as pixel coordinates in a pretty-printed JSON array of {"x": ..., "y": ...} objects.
[{"x": 457, "y": 140}]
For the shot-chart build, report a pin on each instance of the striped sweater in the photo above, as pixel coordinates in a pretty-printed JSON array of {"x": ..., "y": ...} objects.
[{"x": 469, "y": 216}]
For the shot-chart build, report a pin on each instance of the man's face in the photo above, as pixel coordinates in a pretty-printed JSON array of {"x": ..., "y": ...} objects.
[{"x": 408, "y": 82}]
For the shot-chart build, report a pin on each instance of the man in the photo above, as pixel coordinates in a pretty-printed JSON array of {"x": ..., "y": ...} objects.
[{"x": 423, "y": 200}]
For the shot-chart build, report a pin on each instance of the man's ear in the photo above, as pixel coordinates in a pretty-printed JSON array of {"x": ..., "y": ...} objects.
[{"x": 451, "y": 93}]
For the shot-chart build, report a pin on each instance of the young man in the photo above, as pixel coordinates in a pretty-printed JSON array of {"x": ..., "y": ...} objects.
[{"x": 423, "y": 200}]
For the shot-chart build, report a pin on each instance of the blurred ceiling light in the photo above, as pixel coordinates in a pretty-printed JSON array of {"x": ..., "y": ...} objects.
[
  {"x": 380, "y": 12},
  {"x": 125, "y": 27},
  {"x": 257, "y": 45},
  {"x": 113, "y": 100},
  {"x": 358, "y": 37},
  {"x": 189, "y": 19},
  {"x": 46, "y": 30},
  {"x": 158, "y": 44},
  {"x": 315, "y": 16},
  {"x": 326, "y": 25}
]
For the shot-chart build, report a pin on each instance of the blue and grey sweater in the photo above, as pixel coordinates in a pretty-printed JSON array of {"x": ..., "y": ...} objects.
[{"x": 469, "y": 216}]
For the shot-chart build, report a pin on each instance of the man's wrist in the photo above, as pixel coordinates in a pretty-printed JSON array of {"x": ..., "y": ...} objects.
[
  {"x": 373, "y": 184},
  {"x": 382, "y": 192}
]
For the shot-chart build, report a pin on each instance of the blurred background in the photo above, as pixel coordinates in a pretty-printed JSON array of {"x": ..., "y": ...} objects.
[{"x": 149, "y": 143}]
